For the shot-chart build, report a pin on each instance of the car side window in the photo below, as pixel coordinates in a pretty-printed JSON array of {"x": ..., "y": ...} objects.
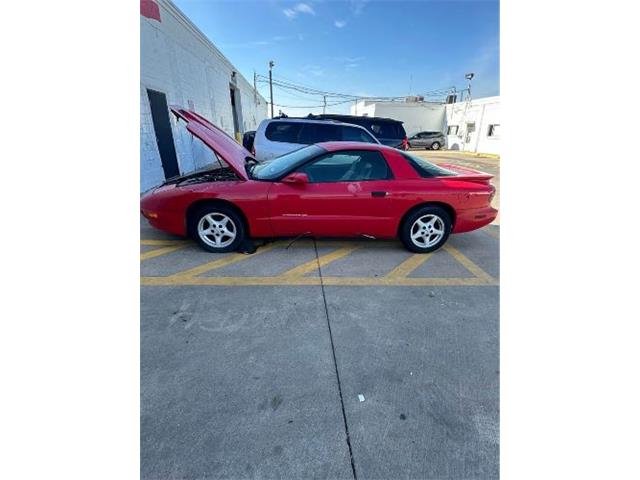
[
  {"x": 348, "y": 166},
  {"x": 318, "y": 132},
  {"x": 352, "y": 134},
  {"x": 286, "y": 132}
]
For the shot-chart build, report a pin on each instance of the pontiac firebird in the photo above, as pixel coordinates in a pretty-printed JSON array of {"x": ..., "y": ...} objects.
[{"x": 330, "y": 189}]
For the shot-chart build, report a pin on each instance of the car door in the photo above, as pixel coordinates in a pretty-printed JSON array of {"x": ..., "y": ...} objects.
[
  {"x": 421, "y": 140},
  {"x": 347, "y": 195}
]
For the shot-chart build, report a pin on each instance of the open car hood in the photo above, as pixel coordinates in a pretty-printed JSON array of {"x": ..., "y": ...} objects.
[{"x": 225, "y": 147}]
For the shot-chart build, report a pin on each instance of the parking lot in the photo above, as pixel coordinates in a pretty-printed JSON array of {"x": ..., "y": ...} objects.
[{"x": 321, "y": 358}]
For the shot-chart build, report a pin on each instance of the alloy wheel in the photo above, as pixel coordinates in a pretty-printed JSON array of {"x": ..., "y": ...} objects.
[
  {"x": 427, "y": 231},
  {"x": 217, "y": 230}
]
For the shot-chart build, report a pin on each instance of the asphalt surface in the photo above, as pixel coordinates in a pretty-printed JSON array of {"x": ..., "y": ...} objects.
[{"x": 243, "y": 380}]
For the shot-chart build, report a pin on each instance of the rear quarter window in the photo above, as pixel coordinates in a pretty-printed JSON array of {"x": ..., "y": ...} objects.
[
  {"x": 387, "y": 130},
  {"x": 427, "y": 169}
]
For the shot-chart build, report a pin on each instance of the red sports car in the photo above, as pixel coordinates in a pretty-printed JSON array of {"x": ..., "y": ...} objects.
[{"x": 331, "y": 189}]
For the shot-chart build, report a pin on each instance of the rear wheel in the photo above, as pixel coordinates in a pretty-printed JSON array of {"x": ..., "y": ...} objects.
[
  {"x": 435, "y": 146},
  {"x": 426, "y": 229},
  {"x": 217, "y": 228}
]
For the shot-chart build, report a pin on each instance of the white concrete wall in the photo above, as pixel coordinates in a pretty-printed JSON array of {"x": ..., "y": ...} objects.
[
  {"x": 178, "y": 60},
  {"x": 483, "y": 112},
  {"x": 416, "y": 116}
]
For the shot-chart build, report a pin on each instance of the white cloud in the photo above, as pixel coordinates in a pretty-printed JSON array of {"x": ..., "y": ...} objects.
[
  {"x": 340, "y": 23},
  {"x": 305, "y": 8},
  {"x": 357, "y": 6},
  {"x": 299, "y": 8}
]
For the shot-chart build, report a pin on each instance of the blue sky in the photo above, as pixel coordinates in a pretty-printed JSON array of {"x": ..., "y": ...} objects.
[{"x": 359, "y": 47}]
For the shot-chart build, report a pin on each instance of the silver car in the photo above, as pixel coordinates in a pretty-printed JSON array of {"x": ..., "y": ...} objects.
[
  {"x": 277, "y": 136},
  {"x": 432, "y": 140}
]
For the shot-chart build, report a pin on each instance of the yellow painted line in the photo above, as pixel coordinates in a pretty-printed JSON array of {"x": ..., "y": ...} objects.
[
  {"x": 295, "y": 281},
  {"x": 162, "y": 243},
  {"x": 344, "y": 243},
  {"x": 408, "y": 266},
  {"x": 160, "y": 251},
  {"x": 221, "y": 262},
  {"x": 469, "y": 265},
  {"x": 312, "y": 265},
  {"x": 455, "y": 153}
]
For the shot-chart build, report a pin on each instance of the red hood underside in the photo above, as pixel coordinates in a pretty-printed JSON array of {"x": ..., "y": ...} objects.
[{"x": 229, "y": 151}]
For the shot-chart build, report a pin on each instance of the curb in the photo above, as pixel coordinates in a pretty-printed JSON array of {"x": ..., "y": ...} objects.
[{"x": 473, "y": 154}]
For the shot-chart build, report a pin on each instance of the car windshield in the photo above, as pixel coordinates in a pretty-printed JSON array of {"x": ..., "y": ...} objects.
[
  {"x": 274, "y": 169},
  {"x": 427, "y": 169}
]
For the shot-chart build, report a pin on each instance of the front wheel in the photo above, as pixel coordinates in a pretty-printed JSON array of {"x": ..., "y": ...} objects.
[
  {"x": 426, "y": 229},
  {"x": 217, "y": 229}
]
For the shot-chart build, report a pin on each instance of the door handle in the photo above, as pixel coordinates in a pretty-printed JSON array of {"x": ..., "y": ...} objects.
[{"x": 378, "y": 194}]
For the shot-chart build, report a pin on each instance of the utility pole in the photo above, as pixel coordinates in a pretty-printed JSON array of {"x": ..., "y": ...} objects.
[
  {"x": 324, "y": 107},
  {"x": 271, "y": 64},
  {"x": 255, "y": 91}
]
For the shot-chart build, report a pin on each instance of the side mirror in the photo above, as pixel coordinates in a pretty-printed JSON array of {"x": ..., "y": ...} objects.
[{"x": 296, "y": 178}]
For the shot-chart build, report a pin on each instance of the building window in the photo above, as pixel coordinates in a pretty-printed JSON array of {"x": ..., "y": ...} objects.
[
  {"x": 494, "y": 130},
  {"x": 452, "y": 130}
]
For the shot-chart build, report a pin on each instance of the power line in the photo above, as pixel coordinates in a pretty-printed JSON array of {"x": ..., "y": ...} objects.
[{"x": 441, "y": 92}]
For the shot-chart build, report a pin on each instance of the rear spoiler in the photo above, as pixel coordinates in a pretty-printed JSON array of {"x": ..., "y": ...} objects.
[{"x": 468, "y": 174}]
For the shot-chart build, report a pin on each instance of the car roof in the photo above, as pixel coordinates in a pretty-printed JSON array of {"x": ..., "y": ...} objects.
[
  {"x": 307, "y": 120},
  {"x": 335, "y": 116},
  {"x": 335, "y": 146}
]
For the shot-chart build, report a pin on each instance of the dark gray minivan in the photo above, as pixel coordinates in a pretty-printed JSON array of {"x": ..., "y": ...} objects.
[{"x": 432, "y": 140}]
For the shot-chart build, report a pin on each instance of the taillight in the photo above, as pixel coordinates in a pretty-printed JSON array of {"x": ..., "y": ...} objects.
[
  {"x": 253, "y": 151},
  {"x": 405, "y": 143}
]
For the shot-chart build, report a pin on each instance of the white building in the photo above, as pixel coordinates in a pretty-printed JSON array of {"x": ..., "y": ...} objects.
[
  {"x": 416, "y": 116},
  {"x": 474, "y": 126},
  {"x": 470, "y": 126},
  {"x": 180, "y": 65}
]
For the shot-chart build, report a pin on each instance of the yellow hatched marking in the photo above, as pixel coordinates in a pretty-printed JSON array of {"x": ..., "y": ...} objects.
[
  {"x": 160, "y": 251},
  {"x": 221, "y": 262},
  {"x": 408, "y": 266},
  {"x": 469, "y": 265},
  {"x": 338, "y": 281},
  {"x": 163, "y": 243},
  {"x": 312, "y": 265}
]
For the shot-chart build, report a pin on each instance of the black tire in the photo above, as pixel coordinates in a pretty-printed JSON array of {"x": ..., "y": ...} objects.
[
  {"x": 218, "y": 210},
  {"x": 435, "y": 146},
  {"x": 406, "y": 228}
]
